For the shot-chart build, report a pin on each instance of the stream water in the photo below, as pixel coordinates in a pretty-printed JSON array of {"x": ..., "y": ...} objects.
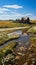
[{"x": 22, "y": 39}]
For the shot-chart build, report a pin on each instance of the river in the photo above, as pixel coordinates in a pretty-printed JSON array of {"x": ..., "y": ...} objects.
[{"x": 22, "y": 39}]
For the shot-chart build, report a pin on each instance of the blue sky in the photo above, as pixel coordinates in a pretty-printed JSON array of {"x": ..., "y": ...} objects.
[{"x": 15, "y": 9}]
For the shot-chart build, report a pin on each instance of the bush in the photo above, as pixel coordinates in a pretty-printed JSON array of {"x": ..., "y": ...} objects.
[{"x": 8, "y": 52}]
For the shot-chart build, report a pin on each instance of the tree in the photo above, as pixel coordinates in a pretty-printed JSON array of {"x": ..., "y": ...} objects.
[
  {"x": 25, "y": 20},
  {"x": 28, "y": 20},
  {"x": 22, "y": 20}
]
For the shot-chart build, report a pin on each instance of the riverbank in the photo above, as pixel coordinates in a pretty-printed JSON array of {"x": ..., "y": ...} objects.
[{"x": 5, "y": 40}]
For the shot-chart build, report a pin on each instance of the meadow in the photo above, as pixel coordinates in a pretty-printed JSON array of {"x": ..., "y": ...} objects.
[
  {"x": 10, "y": 24},
  {"x": 7, "y": 51}
]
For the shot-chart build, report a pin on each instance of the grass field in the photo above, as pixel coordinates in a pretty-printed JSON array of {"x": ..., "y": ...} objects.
[
  {"x": 8, "y": 24},
  {"x": 9, "y": 46},
  {"x": 33, "y": 21},
  {"x": 4, "y": 37}
]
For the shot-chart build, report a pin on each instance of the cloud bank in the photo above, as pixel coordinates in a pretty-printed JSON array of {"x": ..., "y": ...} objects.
[
  {"x": 13, "y": 6},
  {"x": 13, "y": 12}
]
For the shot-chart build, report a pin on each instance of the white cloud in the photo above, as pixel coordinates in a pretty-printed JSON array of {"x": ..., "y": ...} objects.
[
  {"x": 28, "y": 14},
  {"x": 6, "y": 12},
  {"x": 13, "y": 6},
  {"x": 33, "y": 17},
  {"x": 1, "y": 12},
  {"x": 3, "y": 9},
  {"x": 14, "y": 15}
]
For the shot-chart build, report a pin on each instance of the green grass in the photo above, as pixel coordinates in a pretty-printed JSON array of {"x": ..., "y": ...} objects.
[
  {"x": 5, "y": 38},
  {"x": 32, "y": 29},
  {"x": 11, "y": 45}
]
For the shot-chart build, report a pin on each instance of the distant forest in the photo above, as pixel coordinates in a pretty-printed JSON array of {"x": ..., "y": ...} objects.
[{"x": 24, "y": 20}]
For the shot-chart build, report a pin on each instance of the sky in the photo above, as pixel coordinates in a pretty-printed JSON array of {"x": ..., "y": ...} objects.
[{"x": 15, "y": 9}]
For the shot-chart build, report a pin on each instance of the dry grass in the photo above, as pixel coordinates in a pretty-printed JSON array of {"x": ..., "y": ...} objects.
[
  {"x": 7, "y": 24},
  {"x": 33, "y": 21},
  {"x": 10, "y": 24}
]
